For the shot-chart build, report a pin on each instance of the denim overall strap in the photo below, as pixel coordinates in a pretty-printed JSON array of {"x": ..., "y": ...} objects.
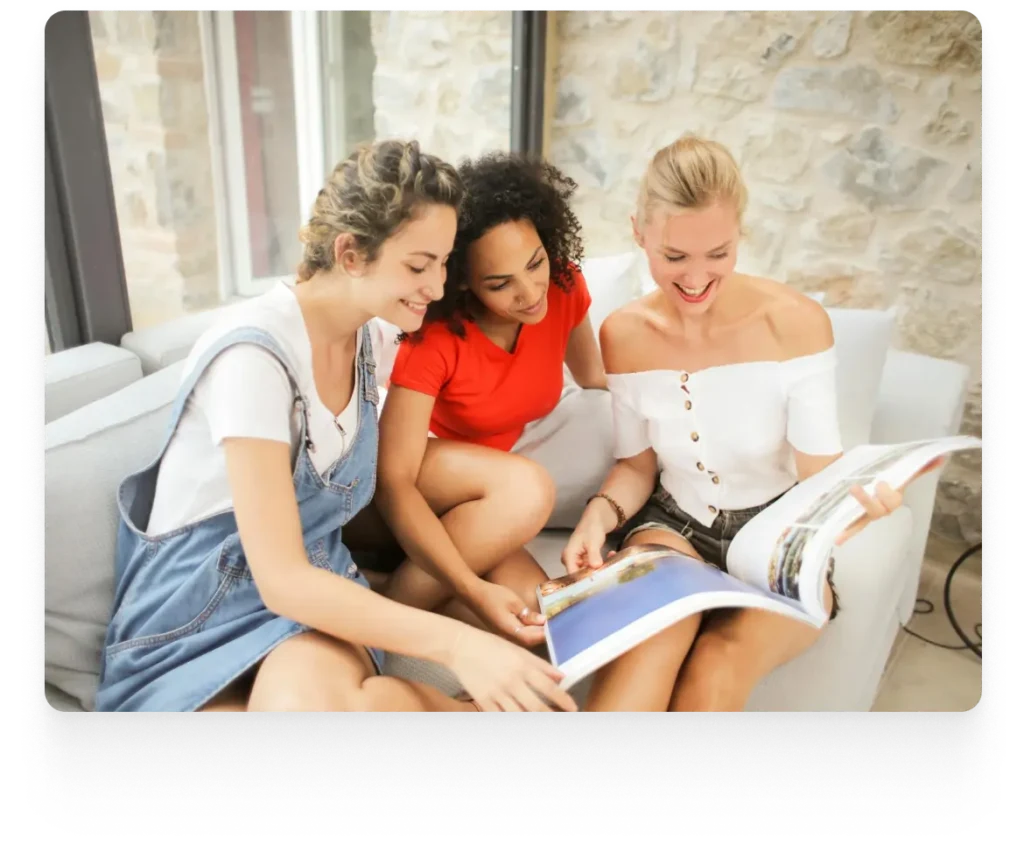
[
  {"x": 128, "y": 491},
  {"x": 251, "y": 336},
  {"x": 369, "y": 364}
]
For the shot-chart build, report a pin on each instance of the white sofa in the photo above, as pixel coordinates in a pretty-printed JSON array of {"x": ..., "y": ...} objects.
[{"x": 886, "y": 395}]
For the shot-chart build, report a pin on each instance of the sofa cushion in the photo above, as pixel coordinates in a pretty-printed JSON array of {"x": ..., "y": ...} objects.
[
  {"x": 862, "y": 338},
  {"x": 161, "y": 345},
  {"x": 82, "y": 374},
  {"x": 88, "y": 453},
  {"x": 612, "y": 281}
]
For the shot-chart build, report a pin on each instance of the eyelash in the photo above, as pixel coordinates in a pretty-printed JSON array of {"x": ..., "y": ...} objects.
[
  {"x": 414, "y": 270},
  {"x": 532, "y": 267},
  {"x": 714, "y": 256}
]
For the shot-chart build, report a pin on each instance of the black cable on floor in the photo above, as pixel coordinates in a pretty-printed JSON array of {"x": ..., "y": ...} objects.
[{"x": 929, "y": 607}]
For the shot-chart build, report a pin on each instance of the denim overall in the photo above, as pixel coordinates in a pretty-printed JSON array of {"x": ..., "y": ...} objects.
[{"x": 188, "y": 618}]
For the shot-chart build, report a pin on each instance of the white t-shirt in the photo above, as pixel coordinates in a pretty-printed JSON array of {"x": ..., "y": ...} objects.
[
  {"x": 245, "y": 393},
  {"x": 725, "y": 436}
]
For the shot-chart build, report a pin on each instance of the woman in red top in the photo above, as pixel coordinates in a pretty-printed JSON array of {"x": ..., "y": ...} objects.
[{"x": 483, "y": 377}]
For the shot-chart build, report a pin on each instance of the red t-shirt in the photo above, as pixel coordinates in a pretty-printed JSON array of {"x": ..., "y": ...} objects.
[{"x": 484, "y": 394}]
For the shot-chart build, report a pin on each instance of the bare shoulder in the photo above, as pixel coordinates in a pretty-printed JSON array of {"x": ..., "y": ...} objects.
[
  {"x": 800, "y": 324},
  {"x": 623, "y": 334}
]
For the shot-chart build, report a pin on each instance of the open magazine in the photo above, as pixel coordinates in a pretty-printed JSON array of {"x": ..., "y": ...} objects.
[{"x": 778, "y": 561}]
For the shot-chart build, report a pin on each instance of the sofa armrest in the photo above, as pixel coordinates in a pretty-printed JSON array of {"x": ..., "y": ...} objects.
[
  {"x": 84, "y": 374},
  {"x": 920, "y": 397}
]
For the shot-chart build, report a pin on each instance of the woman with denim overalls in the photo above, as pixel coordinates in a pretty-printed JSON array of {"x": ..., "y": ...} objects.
[{"x": 235, "y": 589}]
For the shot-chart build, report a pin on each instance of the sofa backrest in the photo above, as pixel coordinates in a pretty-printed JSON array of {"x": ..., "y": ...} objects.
[{"x": 88, "y": 452}]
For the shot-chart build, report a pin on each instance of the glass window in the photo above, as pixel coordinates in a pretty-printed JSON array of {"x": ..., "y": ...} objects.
[{"x": 221, "y": 127}]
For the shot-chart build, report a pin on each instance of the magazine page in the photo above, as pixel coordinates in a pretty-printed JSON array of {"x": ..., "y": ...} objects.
[
  {"x": 597, "y": 615},
  {"x": 785, "y": 550}
]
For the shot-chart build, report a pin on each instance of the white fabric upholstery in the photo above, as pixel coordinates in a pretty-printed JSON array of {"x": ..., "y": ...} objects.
[
  {"x": 169, "y": 342},
  {"x": 612, "y": 282},
  {"x": 862, "y": 342},
  {"x": 87, "y": 454},
  {"x": 82, "y": 374},
  {"x": 920, "y": 397}
]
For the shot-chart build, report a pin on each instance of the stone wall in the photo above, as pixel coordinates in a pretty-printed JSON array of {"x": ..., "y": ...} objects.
[
  {"x": 444, "y": 78},
  {"x": 150, "y": 73},
  {"x": 859, "y": 135}
]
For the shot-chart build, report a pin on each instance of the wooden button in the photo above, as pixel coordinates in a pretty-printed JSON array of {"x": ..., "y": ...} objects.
[
  {"x": 700, "y": 466},
  {"x": 689, "y": 405},
  {"x": 712, "y": 509},
  {"x": 715, "y": 479},
  {"x": 685, "y": 377},
  {"x": 694, "y": 436}
]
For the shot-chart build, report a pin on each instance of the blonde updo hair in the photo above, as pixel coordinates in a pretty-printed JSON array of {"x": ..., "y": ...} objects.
[
  {"x": 691, "y": 173},
  {"x": 370, "y": 195}
]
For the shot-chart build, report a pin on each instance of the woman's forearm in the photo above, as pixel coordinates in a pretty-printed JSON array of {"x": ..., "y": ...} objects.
[
  {"x": 348, "y": 611},
  {"x": 424, "y": 538},
  {"x": 630, "y": 485}
]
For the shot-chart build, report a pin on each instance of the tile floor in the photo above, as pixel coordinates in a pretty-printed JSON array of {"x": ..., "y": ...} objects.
[{"x": 920, "y": 676}]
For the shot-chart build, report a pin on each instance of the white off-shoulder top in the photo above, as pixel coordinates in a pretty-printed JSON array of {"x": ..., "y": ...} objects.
[{"x": 725, "y": 435}]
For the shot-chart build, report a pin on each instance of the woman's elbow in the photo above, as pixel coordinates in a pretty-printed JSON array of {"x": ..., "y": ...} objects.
[
  {"x": 272, "y": 584},
  {"x": 391, "y": 483}
]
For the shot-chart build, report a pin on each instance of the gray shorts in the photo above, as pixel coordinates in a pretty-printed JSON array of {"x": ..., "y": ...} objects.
[{"x": 710, "y": 541}]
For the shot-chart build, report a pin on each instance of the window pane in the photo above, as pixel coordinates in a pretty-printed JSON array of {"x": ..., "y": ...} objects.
[
  {"x": 205, "y": 153},
  {"x": 443, "y": 78},
  {"x": 150, "y": 70},
  {"x": 199, "y": 222},
  {"x": 266, "y": 91}
]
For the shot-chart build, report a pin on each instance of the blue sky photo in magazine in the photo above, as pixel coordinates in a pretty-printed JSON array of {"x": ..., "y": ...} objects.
[{"x": 585, "y": 623}]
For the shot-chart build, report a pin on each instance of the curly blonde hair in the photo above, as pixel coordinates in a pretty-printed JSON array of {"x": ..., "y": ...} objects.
[
  {"x": 370, "y": 195},
  {"x": 691, "y": 173}
]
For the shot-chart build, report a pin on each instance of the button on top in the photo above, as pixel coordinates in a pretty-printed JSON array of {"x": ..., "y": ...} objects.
[{"x": 685, "y": 377}]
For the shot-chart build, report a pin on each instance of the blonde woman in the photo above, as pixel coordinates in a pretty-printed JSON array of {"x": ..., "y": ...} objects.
[
  {"x": 235, "y": 589},
  {"x": 723, "y": 388}
]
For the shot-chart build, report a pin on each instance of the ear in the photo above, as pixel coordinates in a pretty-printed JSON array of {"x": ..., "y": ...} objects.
[
  {"x": 347, "y": 256},
  {"x": 637, "y": 236}
]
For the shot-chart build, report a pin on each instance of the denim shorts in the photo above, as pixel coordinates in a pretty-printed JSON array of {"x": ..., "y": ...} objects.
[{"x": 711, "y": 542}]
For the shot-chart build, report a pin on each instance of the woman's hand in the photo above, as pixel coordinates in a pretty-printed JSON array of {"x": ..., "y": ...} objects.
[
  {"x": 501, "y": 676},
  {"x": 506, "y": 613},
  {"x": 886, "y": 500},
  {"x": 583, "y": 551}
]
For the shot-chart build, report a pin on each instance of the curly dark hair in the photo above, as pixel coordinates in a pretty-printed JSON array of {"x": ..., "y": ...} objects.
[{"x": 500, "y": 188}]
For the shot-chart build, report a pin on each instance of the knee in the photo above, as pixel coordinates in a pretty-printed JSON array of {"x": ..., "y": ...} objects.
[
  {"x": 714, "y": 675},
  {"x": 299, "y": 693},
  {"x": 532, "y": 490}
]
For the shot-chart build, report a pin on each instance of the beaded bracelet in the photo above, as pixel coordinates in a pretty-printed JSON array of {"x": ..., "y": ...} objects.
[{"x": 620, "y": 514}]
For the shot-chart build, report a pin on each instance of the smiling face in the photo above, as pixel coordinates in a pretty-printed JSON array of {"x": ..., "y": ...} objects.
[
  {"x": 691, "y": 252},
  {"x": 509, "y": 274},
  {"x": 409, "y": 270}
]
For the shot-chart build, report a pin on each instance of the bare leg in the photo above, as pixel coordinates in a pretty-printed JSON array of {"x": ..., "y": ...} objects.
[
  {"x": 313, "y": 671},
  {"x": 491, "y": 503},
  {"x": 231, "y": 699},
  {"x": 643, "y": 679},
  {"x": 736, "y": 649}
]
